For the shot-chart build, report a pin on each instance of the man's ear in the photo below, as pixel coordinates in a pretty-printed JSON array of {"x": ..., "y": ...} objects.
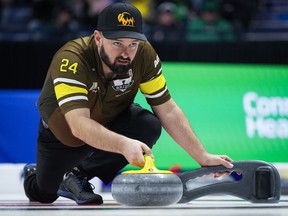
[{"x": 97, "y": 38}]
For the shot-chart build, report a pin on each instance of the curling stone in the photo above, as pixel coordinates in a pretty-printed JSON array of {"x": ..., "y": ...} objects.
[
  {"x": 259, "y": 183},
  {"x": 147, "y": 187}
]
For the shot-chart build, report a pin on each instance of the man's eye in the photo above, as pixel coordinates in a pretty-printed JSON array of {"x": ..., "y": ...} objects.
[{"x": 116, "y": 43}]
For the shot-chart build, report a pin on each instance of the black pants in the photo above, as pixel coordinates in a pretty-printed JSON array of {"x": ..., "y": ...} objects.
[{"x": 55, "y": 158}]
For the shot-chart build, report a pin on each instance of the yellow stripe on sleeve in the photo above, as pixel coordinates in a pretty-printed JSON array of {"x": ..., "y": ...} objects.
[
  {"x": 153, "y": 85},
  {"x": 62, "y": 90}
]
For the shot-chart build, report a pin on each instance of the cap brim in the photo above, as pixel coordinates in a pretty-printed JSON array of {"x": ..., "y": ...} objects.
[{"x": 124, "y": 34}]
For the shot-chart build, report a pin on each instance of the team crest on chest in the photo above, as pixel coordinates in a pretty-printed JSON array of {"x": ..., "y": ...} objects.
[{"x": 123, "y": 84}]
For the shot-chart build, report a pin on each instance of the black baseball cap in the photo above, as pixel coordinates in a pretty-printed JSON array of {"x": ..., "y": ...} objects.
[{"x": 121, "y": 20}]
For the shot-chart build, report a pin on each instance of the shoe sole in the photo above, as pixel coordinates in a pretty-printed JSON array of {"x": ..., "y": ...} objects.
[{"x": 71, "y": 196}]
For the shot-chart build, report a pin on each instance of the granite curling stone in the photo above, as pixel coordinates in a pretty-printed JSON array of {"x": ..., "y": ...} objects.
[{"x": 147, "y": 187}]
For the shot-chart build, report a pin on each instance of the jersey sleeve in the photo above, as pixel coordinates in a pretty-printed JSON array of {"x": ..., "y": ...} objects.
[
  {"x": 68, "y": 74},
  {"x": 153, "y": 85}
]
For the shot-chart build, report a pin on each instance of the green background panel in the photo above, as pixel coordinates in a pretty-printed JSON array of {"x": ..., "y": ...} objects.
[{"x": 211, "y": 95}]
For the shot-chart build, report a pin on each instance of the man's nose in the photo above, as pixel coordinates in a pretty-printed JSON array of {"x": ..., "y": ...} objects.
[{"x": 124, "y": 53}]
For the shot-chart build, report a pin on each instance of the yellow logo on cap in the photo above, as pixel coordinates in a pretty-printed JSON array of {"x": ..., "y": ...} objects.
[{"x": 125, "y": 19}]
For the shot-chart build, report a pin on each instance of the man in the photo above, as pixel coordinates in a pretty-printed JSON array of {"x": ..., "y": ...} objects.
[
  {"x": 89, "y": 124},
  {"x": 209, "y": 25}
]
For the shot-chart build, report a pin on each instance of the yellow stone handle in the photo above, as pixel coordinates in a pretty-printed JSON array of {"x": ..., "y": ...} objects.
[{"x": 149, "y": 168}]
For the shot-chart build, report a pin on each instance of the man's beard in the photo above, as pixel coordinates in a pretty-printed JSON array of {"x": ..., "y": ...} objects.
[{"x": 117, "y": 69}]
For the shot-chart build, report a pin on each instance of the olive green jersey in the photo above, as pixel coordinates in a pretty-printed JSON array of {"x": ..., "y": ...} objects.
[{"x": 75, "y": 80}]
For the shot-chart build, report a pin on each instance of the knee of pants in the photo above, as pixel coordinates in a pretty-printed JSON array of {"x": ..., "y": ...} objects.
[
  {"x": 49, "y": 199},
  {"x": 33, "y": 192},
  {"x": 140, "y": 124},
  {"x": 152, "y": 130}
]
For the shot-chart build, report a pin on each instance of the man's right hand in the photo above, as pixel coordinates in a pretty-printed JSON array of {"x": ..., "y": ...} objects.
[{"x": 134, "y": 153}]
